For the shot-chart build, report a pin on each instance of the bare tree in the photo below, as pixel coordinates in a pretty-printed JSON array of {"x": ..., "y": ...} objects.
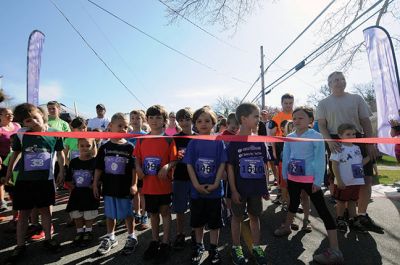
[
  {"x": 316, "y": 96},
  {"x": 367, "y": 92},
  {"x": 226, "y": 105}
]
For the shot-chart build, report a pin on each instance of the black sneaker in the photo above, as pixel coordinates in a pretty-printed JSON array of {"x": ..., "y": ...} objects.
[
  {"x": 163, "y": 253},
  {"x": 16, "y": 254},
  {"x": 259, "y": 255},
  {"x": 78, "y": 239},
  {"x": 215, "y": 257},
  {"x": 152, "y": 251},
  {"x": 86, "y": 238},
  {"x": 356, "y": 226},
  {"x": 369, "y": 224},
  {"x": 237, "y": 255},
  {"x": 130, "y": 246},
  {"x": 52, "y": 245},
  {"x": 106, "y": 245},
  {"x": 341, "y": 224},
  {"x": 179, "y": 243},
  {"x": 197, "y": 254}
]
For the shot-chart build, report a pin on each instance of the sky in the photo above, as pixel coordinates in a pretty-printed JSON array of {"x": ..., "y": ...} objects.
[{"x": 71, "y": 73}]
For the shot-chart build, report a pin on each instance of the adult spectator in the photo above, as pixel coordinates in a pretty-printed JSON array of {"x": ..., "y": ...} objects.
[
  {"x": 342, "y": 107},
  {"x": 54, "y": 109},
  {"x": 263, "y": 129},
  {"x": 100, "y": 122}
]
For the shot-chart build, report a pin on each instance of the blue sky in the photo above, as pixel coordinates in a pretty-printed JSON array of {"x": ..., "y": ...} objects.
[{"x": 71, "y": 73}]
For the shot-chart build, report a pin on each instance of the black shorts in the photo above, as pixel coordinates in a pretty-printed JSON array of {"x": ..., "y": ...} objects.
[
  {"x": 33, "y": 194},
  {"x": 205, "y": 211},
  {"x": 154, "y": 202}
]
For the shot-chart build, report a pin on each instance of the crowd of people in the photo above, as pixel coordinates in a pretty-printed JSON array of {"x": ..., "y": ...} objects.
[{"x": 150, "y": 178}]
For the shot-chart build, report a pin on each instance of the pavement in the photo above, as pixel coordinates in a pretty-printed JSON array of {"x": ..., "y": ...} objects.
[{"x": 297, "y": 248}]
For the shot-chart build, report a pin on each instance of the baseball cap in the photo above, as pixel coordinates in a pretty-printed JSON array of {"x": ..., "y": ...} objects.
[{"x": 100, "y": 106}]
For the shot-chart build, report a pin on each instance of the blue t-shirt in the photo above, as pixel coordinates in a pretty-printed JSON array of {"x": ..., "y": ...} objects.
[
  {"x": 206, "y": 157},
  {"x": 133, "y": 140},
  {"x": 248, "y": 161}
]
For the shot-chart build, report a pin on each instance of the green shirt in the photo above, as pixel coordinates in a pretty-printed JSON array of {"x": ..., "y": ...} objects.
[
  {"x": 72, "y": 144},
  {"x": 59, "y": 124}
]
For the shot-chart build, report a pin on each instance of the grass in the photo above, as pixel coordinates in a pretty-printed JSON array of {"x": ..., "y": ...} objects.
[
  {"x": 387, "y": 177},
  {"x": 388, "y": 161}
]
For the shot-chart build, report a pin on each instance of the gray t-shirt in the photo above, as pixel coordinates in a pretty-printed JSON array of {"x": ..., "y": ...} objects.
[{"x": 349, "y": 108}]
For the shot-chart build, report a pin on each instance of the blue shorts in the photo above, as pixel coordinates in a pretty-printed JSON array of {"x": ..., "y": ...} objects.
[
  {"x": 117, "y": 208},
  {"x": 181, "y": 195}
]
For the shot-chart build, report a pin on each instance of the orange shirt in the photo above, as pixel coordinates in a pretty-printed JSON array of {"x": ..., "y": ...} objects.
[
  {"x": 278, "y": 118},
  {"x": 152, "y": 155}
]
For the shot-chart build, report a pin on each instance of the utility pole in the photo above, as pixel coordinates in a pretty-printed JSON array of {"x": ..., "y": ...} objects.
[{"x": 262, "y": 79}]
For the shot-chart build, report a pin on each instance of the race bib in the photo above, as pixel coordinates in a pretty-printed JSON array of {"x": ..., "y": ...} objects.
[
  {"x": 82, "y": 178},
  {"x": 37, "y": 161},
  {"x": 297, "y": 167},
  {"x": 115, "y": 165},
  {"x": 205, "y": 167},
  {"x": 358, "y": 171},
  {"x": 252, "y": 168},
  {"x": 74, "y": 154},
  {"x": 151, "y": 165}
]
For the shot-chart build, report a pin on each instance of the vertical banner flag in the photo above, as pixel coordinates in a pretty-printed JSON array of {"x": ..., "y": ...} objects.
[
  {"x": 35, "y": 47},
  {"x": 385, "y": 76}
]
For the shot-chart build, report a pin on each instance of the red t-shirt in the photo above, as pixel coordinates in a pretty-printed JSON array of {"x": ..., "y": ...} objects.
[{"x": 152, "y": 155}]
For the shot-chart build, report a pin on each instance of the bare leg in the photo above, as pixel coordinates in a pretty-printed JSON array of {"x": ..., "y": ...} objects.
[
  {"x": 155, "y": 223},
  {"x": 255, "y": 229},
  {"x": 235, "y": 229},
  {"x": 22, "y": 226},
  {"x": 166, "y": 217},
  {"x": 46, "y": 221}
]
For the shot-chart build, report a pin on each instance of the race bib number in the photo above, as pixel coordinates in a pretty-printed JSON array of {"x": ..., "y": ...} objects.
[
  {"x": 74, "y": 154},
  {"x": 297, "y": 167},
  {"x": 252, "y": 168},
  {"x": 358, "y": 171},
  {"x": 152, "y": 165},
  {"x": 115, "y": 165},
  {"x": 37, "y": 161},
  {"x": 82, "y": 178},
  {"x": 205, "y": 167}
]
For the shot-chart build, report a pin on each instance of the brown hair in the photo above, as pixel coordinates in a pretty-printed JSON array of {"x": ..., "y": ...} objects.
[
  {"x": 156, "y": 110},
  {"x": 205, "y": 109},
  {"x": 344, "y": 127},
  {"x": 244, "y": 110}
]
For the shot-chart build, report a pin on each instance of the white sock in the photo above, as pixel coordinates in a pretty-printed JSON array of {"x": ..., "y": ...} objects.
[
  {"x": 111, "y": 236},
  {"x": 133, "y": 235},
  {"x": 88, "y": 229}
]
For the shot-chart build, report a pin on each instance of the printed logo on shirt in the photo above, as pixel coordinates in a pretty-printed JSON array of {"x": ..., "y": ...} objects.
[
  {"x": 151, "y": 165},
  {"x": 205, "y": 167},
  {"x": 358, "y": 171},
  {"x": 82, "y": 178},
  {"x": 74, "y": 154},
  {"x": 37, "y": 161},
  {"x": 252, "y": 168},
  {"x": 115, "y": 165},
  {"x": 297, "y": 167}
]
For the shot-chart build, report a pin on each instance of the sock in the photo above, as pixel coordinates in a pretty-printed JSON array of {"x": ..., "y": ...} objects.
[
  {"x": 133, "y": 235},
  {"x": 111, "y": 236},
  {"x": 88, "y": 229},
  {"x": 363, "y": 214},
  {"x": 79, "y": 230}
]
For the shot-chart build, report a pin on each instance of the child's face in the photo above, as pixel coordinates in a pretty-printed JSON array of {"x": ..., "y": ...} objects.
[
  {"x": 348, "y": 134},
  {"x": 53, "y": 110},
  {"x": 204, "y": 123},
  {"x": 233, "y": 127},
  {"x": 6, "y": 115},
  {"x": 136, "y": 121},
  {"x": 82, "y": 128},
  {"x": 120, "y": 125},
  {"x": 252, "y": 120},
  {"x": 301, "y": 120},
  {"x": 185, "y": 124},
  {"x": 85, "y": 147},
  {"x": 156, "y": 122},
  {"x": 34, "y": 122}
]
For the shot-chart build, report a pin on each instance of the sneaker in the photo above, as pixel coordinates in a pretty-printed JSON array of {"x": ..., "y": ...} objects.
[
  {"x": 306, "y": 226},
  {"x": 329, "y": 256},
  {"x": 86, "y": 238},
  {"x": 285, "y": 207},
  {"x": 152, "y": 251},
  {"x": 197, "y": 254},
  {"x": 142, "y": 224},
  {"x": 282, "y": 231},
  {"x": 356, "y": 226},
  {"x": 215, "y": 257},
  {"x": 3, "y": 206},
  {"x": 78, "y": 239},
  {"x": 16, "y": 254},
  {"x": 137, "y": 218},
  {"x": 33, "y": 229},
  {"x": 163, "y": 253},
  {"x": 259, "y": 255},
  {"x": 130, "y": 246},
  {"x": 106, "y": 245},
  {"x": 369, "y": 224},
  {"x": 237, "y": 255},
  {"x": 294, "y": 226},
  {"x": 52, "y": 245},
  {"x": 40, "y": 235},
  {"x": 341, "y": 224},
  {"x": 179, "y": 242},
  {"x": 277, "y": 200}
]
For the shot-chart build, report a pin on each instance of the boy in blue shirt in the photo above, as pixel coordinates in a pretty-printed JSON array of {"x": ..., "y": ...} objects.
[{"x": 246, "y": 173}]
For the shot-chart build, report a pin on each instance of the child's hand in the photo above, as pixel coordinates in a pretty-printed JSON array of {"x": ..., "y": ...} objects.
[
  {"x": 315, "y": 188},
  {"x": 134, "y": 189},
  {"x": 212, "y": 187},
  {"x": 163, "y": 173},
  {"x": 202, "y": 188},
  {"x": 236, "y": 197},
  {"x": 96, "y": 193}
]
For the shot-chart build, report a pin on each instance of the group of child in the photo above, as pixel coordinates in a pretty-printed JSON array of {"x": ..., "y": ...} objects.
[{"x": 183, "y": 171}]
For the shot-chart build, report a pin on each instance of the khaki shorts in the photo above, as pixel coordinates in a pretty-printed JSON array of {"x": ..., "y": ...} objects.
[
  {"x": 253, "y": 203},
  {"x": 87, "y": 215}
]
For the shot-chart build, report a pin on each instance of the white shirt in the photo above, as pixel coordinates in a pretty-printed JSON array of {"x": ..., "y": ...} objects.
[
  {"x": 350, "y": 165},
  {"x": 100, "y": 123}
]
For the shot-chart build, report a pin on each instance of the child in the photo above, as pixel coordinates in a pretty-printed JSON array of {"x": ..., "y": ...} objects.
[
  {"x": 137, "y": 118},
  {"x": 155, "y": 158},
  {"x": 181, "y": 183},
  {"x": 206, "y": 164},
  {"x": 349, "y": 176},
  {"x": 82, "y": 205},
  {"x": 232, "y": 125},
  {"x": 246, "y": 173},
  {"x": 303, "y": 169},
  {"x": 116, "y": 167},
  {"x": 71, "y": 150},
  {"x": 34, "y": 186}
]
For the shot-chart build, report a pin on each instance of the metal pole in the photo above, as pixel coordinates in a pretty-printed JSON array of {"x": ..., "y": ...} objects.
[{"x": 262, "y": 79}]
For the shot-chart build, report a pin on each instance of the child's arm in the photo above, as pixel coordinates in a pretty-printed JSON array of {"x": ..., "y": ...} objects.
[
  {"x": 232, "y": 184},
  {"x": 97, "y": 174},
  {"x": 218, "y": 178},
  {"x": 366, "y": 160},
  {"x": 195, "y": 182},
  {"x": 61, "y": 164},
  {"x": 336, "y": 172},
  {"x": 11, "y": 165},
  {"x": 66, "y": 152},
  {"x": 134, "y": 188},
  {"x": 163, "y": 173},
  {"x": 139, "y": 170}
]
